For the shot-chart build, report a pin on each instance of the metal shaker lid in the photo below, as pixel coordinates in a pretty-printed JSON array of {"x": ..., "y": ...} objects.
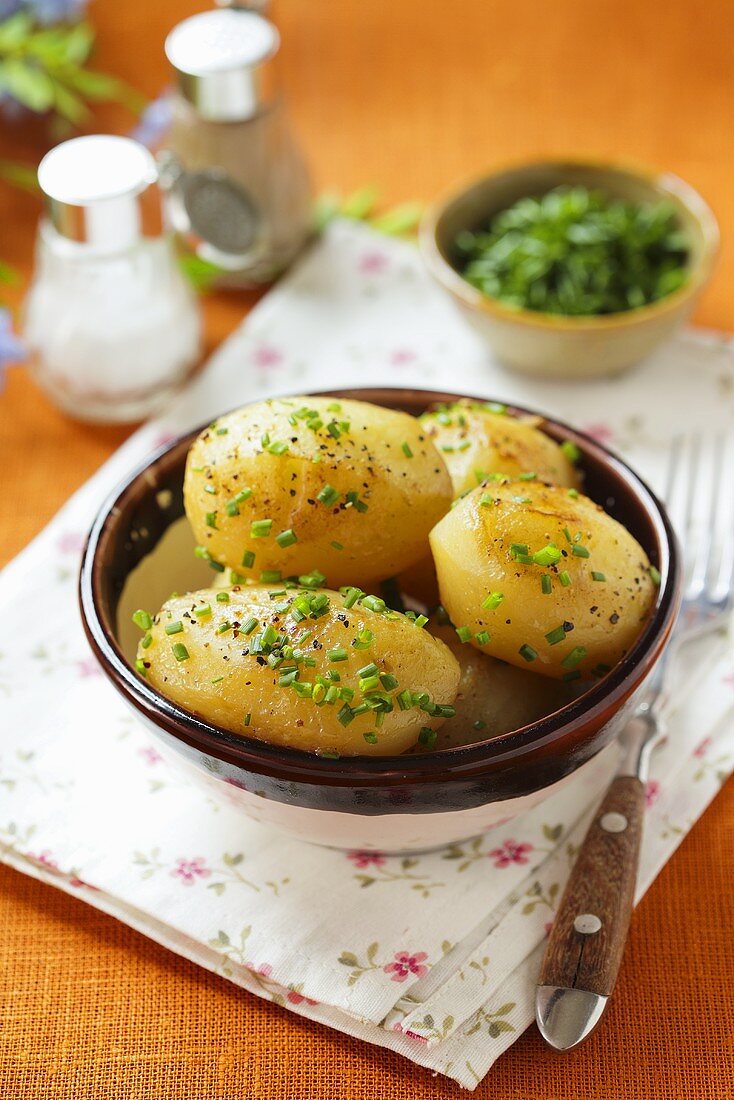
[
  {"x": 223, "y": 62},
  {"x": 101, "y": 190}
]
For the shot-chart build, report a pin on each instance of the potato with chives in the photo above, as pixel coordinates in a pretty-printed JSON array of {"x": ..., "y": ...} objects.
[
  {"x": 301, "y": 485},
  {"x": 542, "y": 577},
  {"x": 335, "y": 673},
  {"x": 477, "y": 440}
]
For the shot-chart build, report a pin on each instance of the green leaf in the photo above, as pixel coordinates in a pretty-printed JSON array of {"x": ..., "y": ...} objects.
[
  {"x": 14, "y": 31},
  {"x": 29, "y": 85},
  {"x": 19, "y": 175},
  {"x": 348, "y": 959},
  {"x": 498, "y": 1026},
  {"x": 400, "y": 220},
  {"x": 233, "y": 860},
  {"x": 360, "y": 203},
  {"x": 504, "y": 1009},
  {"x": 69, "y": 105},
  {"x": 552, "y": 832},
  {"x": 372, "y": 951},
  {"x": 201, "y": 274},
  {"x": 217, "y": 888}
]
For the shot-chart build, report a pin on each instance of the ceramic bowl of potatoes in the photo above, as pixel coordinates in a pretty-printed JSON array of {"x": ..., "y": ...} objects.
[{"x": 381, "y": 618}]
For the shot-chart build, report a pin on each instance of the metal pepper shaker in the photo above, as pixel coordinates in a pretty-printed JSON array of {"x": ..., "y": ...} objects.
[{"x": 236, "y": 186}]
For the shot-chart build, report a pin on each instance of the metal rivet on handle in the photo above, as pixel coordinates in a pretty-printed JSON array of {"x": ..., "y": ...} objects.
[
  {"x": 614, "y": 823},
  {"x": 587, "y": 924}
]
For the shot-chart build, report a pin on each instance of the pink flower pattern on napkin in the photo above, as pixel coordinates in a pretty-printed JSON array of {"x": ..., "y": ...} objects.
[
  {"x": 266, "y": 356},
  {"x": 404, "y": 964},
  {"x": 652, "y": 790},
  {"x": 511, "y": 851},
  {"x": 372, "y": 262},
  {"x": 188, "y": 870},
  {"x": 366, "y": 859}
]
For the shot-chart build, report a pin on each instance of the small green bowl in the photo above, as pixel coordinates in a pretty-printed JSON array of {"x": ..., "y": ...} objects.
[{"x": 549, "y": 344}]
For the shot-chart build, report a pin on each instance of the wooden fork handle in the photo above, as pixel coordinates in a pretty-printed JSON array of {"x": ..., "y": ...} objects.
[{"x": 587, "y": 940}]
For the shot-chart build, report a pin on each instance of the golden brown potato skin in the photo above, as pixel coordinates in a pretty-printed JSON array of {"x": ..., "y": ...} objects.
[
  {"x": 278, "y": 714},
  {"x": 493, "y": 697},
  {"x": 472, "y": 548},
  {"x": 385, "y": 456},
  {"x": 475, "y": 442}
]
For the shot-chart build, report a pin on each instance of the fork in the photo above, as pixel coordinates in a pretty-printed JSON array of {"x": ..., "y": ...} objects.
[{"x": 586, "y": 943}]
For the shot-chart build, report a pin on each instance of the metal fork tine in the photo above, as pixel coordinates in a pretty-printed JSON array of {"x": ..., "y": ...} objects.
[
  {"x": 720, "y": 581},
  {"x": 690, "y": 463}
]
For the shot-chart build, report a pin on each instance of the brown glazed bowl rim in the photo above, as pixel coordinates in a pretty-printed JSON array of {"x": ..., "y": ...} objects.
[{"x": 598, "y": 704}]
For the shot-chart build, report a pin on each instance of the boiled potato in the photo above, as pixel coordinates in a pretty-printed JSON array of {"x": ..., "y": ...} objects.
[
  {"x": 306, "y": 484},
  {"x": 493, "y": 697},
  {"x": 492, "y": 553},
  {"x": 476, "y": 441},
  {"x": 212, "y": 653}
]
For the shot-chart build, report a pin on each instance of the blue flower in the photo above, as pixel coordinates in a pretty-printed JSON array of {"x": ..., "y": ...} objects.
[
  {"x": 154, "y": 122},
  {"x": 12, "y": 349},
  {"x": 45, "y": 11}
]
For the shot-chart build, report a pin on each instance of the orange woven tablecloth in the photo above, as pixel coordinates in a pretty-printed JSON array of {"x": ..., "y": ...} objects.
[{"x": 410, "y": 94}]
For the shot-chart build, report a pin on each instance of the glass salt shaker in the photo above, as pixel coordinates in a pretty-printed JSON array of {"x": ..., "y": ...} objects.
[
  {"x": 236, "y": 186},
  {"x": 113, "y": 327}
]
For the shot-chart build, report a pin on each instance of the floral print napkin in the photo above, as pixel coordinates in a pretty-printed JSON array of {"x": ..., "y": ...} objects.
[{"x": 433, "y": 955}]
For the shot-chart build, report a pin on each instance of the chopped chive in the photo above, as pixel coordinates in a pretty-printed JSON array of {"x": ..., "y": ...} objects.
[
  {"x": 180, "y": 652},
  {"x": 492, "y": 601},
  {"x": 140, "y": 666},
  {"x": 573, "y": 494},
  {"x": 248, "y": 625},
  {"x": 518, "y": 548},
  {"x": 388, "y": 681},
  {"x": 427, "y": 737},
  {"x": 553, "y": 637},
  {"x": 369, "y": 670},
  {"x": 339, "y": 653},
  {"x": 597, "y": 576},
  {"x": 486, "y": 500},
  {"x": 444, "y": 710},
  {"x": 231, "y": 508},
  {"x": 407, "y": 451},
  {"x": 570, "y": 450},
  {"x": 569, "y": 676},
  {"x": 549, "y": 555},
  {"x": 248, "y": 718},
  {"x": 655, "y": 575},
  {"x": 464, "y": 633},
  {"x": 209, "y": 488},
  {"x": 565, "y": 578},
  {"x": 314, "y": 579},
  {"x": 142, "y": 619},
  {"x": 526, "y": 477},
  {"x": 328, "y": 495},
  {"x": 286, "y": 538},
  {"x": 546, "y": 584},
  {"x": 345, "y": 715},
  {"x": 351, "y": 596},
  {"x": 204, "y": 611},
  {"x": 337, "y": 545},
  {"x": 567, "y": 533},
  {"x": 572, "y": 659},
  {"x": 203, "y": 553},
  {"x": 260, "y": 528},
  {"x": 363, "y": 640},
  {"x": 580, "y": 551},
  {"x": 287, "y": 678},
  {"x": 370, "y": 738},
  {"x": 483, "y": 637},
  {"x": 527, "y": 652},
  {"x": 479, "y": 724},
  {"x": 217, "y": 679},
  {"x": 248, "y": 559},
  {"x": 271, "y": 576},
  {"x": 211, "y": 519},
  {"x": 420, "y": 621},
  {"x": 174, "y": 627},
  {"x": 224, "y": 627},
  {"x": 374, "y": 603},
  {"x": 147, "y": 641},
  {"x": 222, "y": 597}
]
